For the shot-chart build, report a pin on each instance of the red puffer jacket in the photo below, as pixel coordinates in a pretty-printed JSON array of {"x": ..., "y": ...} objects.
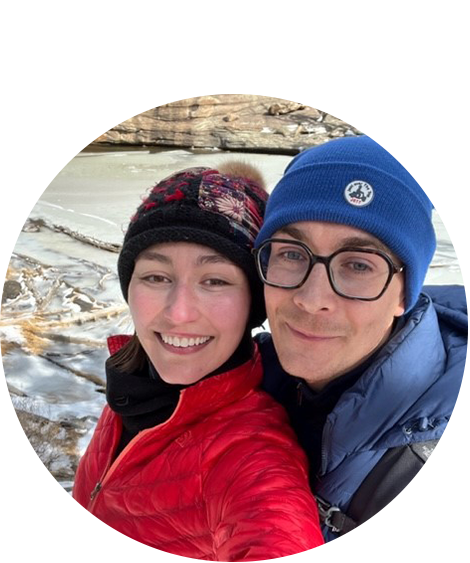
[{"x": 223, "y": 479}]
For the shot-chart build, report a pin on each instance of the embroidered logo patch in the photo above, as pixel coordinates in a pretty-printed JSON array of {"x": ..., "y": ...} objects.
[{"x": 359, "y": 193}]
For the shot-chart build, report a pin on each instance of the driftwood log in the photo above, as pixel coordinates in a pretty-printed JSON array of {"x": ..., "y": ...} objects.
[{"x": 230, "y": 122}]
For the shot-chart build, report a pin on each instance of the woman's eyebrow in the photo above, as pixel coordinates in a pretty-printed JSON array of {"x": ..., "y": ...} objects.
[
  {"x": 212, "y": 259},
  {"x": 155, "y": 256}
]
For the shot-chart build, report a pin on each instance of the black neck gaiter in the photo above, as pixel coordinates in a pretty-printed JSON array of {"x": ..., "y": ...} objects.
[{"x": 144, "y": 400}]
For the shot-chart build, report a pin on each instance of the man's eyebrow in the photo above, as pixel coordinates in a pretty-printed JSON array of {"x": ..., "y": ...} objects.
[
  {"x": 293, "y": 232},
  {"x": 358, "y": 242},
  {"x": 365, "y": 243}
]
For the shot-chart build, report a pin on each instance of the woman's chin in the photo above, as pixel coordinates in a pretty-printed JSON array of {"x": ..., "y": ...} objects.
[{"x": 181, "y": 377}]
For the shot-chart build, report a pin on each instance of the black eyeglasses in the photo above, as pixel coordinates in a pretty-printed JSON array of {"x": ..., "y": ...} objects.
[{"x": 354, "y": 273}]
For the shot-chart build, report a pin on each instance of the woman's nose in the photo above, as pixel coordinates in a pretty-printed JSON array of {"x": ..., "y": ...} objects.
[{"x": 181, "y": 306}]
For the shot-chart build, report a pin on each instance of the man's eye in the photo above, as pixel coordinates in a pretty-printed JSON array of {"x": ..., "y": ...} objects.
[
  {"x": 291, "y": 255},
  {"x": 358, "y": 267}
]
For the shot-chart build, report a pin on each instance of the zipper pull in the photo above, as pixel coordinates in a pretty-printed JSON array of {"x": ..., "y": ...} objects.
[
  {"x": 299, "y": 393},
  {"x": 95, "y": 491}
]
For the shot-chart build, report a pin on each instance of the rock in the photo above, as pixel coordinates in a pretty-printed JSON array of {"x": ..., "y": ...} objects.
[
  {"x": 284, "y": 107},
  {"x": 55, "y": 443},
  {"x": 11, "y": 290},
  {"x": 230, "y": 122}
]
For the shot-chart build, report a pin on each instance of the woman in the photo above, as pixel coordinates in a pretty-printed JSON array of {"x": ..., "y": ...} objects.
[{"x": 189, "y": 455}]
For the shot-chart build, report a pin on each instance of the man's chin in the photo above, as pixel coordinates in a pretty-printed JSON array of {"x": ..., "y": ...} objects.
[
  {"x": 297, "y": 366},
  {"x": 314, "y": 371}
]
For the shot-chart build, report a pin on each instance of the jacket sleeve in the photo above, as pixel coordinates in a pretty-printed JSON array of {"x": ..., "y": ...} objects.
[
  {"x": 96, "y": 457},
  {"x": 403, "y": 513},
  {"x": 259, "y": 501}
]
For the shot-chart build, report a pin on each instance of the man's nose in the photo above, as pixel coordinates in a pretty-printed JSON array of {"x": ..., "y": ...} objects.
[
  {"x": 316, "y": 293},
  {"x": 181, "y": 306}
]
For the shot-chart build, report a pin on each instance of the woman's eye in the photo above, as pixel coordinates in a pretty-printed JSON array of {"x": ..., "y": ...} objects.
[
  {"x": 215, "y": 282},
  {"x": 155, "y": 279}
]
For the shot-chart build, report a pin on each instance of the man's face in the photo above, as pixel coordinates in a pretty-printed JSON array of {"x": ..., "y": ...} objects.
[{"x": 319, "y": 335}]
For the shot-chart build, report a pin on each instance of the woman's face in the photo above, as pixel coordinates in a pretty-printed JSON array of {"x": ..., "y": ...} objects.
[{"x": 190, "y": 306}]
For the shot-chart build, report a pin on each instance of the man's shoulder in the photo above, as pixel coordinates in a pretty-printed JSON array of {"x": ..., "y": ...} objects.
[
  {"x": 453, "y": 294},
  {"x": 450, "y": 306},
  {"x": 275, "y": 380},
  {"x": 449, "y": 301},
  {"x": 397, "y": 493}
]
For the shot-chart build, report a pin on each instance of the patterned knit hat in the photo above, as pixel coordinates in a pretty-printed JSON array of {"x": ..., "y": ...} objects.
[
  {"x": 222, "y": 209},
  {"x": 354, "y": 181}
]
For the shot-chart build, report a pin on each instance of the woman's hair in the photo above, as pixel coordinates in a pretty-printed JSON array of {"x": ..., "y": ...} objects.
[{"x": 130, "y": 358}]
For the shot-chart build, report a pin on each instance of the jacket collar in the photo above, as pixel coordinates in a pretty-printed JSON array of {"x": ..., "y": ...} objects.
[
  {"x": 383, "y": 406},
  {"x": 208, "y": 395}
]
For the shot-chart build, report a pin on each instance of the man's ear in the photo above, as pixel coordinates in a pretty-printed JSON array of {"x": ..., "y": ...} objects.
[
  {"x": 400, "y": 309},
  {"x": 401, "y": 306}
]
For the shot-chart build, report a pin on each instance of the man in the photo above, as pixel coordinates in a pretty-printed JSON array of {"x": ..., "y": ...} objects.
[{"x": 367, "y": 365}]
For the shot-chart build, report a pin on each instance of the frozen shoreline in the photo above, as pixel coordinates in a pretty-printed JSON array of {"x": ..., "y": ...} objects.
[{"x": 54, "y": 330}]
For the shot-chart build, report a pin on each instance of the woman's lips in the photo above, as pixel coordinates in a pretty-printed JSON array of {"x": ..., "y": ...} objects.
[
  {"x": 179, "y": 350},
  {"x": 310, "y": 337}
]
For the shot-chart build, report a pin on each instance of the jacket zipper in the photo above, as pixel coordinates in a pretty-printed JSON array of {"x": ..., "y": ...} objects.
[
  {"x": 325, "y": 444},
  {"x": 111, "y": 466},
  {"x": 95, "y": 491}
]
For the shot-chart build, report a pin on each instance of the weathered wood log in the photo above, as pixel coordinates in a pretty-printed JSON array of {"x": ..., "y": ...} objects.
[{"x": 231, "y": 122}]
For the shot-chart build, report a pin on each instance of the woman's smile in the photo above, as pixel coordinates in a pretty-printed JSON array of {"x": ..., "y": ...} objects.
[
  {"x": 190, "y": 306},
  {"x": 183, "y": 344}
]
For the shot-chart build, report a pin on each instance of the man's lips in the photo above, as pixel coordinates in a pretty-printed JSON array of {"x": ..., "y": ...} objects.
[{"x": 309, "y": 337}]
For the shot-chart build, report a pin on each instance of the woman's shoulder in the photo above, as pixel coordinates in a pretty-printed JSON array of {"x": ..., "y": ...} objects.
[
  {"x": 255, "y": 422},
  {"x": 107, "y": 427}
]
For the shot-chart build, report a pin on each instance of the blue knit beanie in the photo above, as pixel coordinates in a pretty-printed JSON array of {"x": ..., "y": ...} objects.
[{"x": 354, "y": 181}]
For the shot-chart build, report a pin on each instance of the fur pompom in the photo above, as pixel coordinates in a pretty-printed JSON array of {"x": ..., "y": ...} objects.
[{"x": 239, "y": 169}]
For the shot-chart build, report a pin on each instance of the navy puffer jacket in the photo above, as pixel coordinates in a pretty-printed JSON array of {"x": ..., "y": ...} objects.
[{"x": 407, "y": 395}]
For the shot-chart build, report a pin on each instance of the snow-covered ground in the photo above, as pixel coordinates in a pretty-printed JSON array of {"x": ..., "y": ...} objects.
[{"x": 67, "y": 299}]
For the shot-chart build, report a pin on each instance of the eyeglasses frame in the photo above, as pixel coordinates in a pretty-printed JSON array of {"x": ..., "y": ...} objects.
[{"x": 315, "y": 259}]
